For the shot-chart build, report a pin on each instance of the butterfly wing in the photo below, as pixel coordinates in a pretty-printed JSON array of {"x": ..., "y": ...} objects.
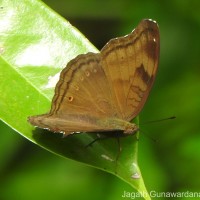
[
  {"x": 83, "y": 88},
  {"x": 82, "y": 97},
  {"x": 112, "y": 84},
  {"x": 130, "y": 64}
]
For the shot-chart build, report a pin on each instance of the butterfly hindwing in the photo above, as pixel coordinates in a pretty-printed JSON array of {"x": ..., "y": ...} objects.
[
  {"x": 83, "y": 87},
  {"x": 82, "y": 98}
]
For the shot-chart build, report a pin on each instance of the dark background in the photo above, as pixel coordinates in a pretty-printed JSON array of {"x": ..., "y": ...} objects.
[{"x": 170, "y": 164}]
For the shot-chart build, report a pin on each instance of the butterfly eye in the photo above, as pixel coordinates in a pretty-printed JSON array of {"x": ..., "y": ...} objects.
[{"x": 70, "y": 98}]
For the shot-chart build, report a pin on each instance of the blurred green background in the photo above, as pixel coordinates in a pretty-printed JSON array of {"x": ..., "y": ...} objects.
[{"x": 170, "y": 164}]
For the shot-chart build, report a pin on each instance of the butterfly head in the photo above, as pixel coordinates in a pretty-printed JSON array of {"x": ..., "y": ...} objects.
[{"x": 131, "y": 129}]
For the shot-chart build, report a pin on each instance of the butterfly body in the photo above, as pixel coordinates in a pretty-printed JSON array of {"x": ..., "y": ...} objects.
[
  {"x": 100, "y": 92},
  {"x": 115, "y": 124},
  {"x": 83, "y": 123}
]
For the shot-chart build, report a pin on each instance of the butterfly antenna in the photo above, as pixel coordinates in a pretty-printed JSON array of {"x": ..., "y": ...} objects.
[
  {"x": 146, "y": 135},
  {"x": 159, "y": 120},
  {"x": 153, "y": 121}
]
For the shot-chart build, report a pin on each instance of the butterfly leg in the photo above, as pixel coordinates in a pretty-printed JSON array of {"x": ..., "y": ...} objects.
[
  {"x": 118, "y": 153},
  {"x": 96, "y": 139}
]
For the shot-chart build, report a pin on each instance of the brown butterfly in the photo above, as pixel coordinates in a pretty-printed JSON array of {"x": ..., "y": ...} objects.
[{"x": 100, "y": 92}]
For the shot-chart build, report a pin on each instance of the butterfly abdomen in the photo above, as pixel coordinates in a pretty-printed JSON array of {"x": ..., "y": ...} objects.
[{"x": 115, "y": 124}]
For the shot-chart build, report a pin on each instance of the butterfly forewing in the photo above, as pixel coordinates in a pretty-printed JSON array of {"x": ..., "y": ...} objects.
[{"x": 130, "y": 63}]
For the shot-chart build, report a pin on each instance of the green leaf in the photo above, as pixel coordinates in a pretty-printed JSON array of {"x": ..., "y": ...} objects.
[{"x": 36, "y": 43}]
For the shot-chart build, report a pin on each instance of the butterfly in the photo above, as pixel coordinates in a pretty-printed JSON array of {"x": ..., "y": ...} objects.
[{"x": 102, "y": 92}]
